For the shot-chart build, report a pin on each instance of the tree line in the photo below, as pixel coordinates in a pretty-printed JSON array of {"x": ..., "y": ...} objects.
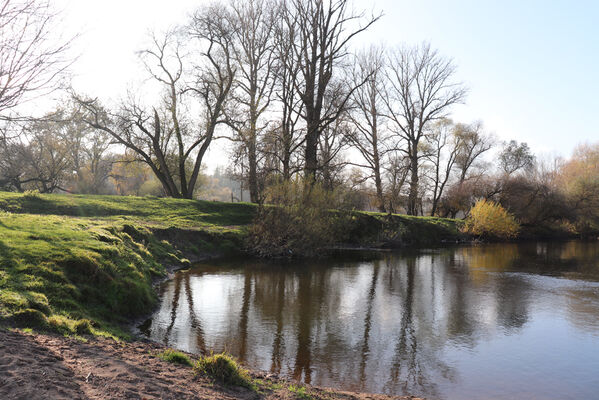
[{"x": 283, "y": 83}]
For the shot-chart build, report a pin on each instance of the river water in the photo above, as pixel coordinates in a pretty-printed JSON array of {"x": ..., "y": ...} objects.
[{"x": 498, "y": 321}]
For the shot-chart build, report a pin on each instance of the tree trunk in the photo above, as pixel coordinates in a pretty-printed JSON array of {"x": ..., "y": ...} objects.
[
  {"x": 253, "y": 171},
  {"x": 311, "y": 152},
  {"x": 377, "y": 178},
  {"x": 412, "y": 208}
]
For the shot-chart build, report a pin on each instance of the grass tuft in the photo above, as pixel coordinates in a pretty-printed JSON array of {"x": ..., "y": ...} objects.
[
  {"x": 224, "y": 369},
  {"x": 175, "y": 357},
  {"x": 300, "y": 392}
]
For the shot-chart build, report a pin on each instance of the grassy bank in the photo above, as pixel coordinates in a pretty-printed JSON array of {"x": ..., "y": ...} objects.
[{"x": 81, "y": 264}]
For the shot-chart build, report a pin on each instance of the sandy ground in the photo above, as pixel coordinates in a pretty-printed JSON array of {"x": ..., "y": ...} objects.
[{"x": 35, "y": 366}]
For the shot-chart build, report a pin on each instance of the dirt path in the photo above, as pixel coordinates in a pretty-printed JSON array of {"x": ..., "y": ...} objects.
[{"x": 34, "y": 366}]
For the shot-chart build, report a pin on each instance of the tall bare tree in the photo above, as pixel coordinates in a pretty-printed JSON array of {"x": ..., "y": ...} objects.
[
  {"x": 286, "y": 136},
  {"x": 32, "y": 56},
  {"x": 369, "y": 137},
  {"x": 321, "y": 30},
  {"x": 442, "y": 152},
  {"x": 421, "y": 90},
  {"x": 254, "y": 57}
]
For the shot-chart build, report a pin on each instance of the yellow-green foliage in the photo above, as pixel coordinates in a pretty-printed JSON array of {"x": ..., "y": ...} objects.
[
  {"x": 224, "y": 369},
  {"x": 490, "y": 219}
]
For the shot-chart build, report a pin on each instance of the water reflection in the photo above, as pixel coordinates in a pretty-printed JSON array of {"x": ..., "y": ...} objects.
[{"x": 423, "y": 323}]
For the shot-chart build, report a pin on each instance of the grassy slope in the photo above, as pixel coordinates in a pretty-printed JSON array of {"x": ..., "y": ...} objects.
[
  {"x": 75, "y": 263},
  {"x": 377, "y": 229},
  {"x": 66, "y": 260}
]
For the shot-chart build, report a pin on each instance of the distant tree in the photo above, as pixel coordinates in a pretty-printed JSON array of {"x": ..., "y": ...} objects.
[
  {"x": 332, "y": 142},
  {"x": 473, "y": 143},
  {"x": 579, "y": 179},
  {"x": 87, "y": 148},
  {"x": 443, "y": 150},
  {"x": 129, "y": 175},
  {"x": 396, "y": 170},
  {"x": 421, "y": 90},
  {"x": 515, "y": 157},
  {"x": 366, "y": 108},
  {"x": 37, "y": 160}
]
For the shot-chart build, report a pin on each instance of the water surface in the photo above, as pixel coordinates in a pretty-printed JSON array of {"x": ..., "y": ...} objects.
[{"x": 479, "y": 322}]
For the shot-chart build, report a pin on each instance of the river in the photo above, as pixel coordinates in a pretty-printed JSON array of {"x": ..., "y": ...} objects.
[{"x": 495, "y": 321}]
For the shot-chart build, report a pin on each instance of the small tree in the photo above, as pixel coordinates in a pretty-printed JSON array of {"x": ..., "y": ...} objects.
[{"x": 490, "y": 219}]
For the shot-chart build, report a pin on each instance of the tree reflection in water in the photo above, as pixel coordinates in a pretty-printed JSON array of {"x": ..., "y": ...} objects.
[{"x": 381, "y": 326}]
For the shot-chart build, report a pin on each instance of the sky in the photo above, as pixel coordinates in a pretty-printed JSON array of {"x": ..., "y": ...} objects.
[{"x": 531, "y": 66}]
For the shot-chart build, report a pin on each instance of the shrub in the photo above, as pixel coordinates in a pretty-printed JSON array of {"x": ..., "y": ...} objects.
[
  {"x": 296, "y": 221},
  {"x": 490, "y": 219},
  {"x": 175, "y": 357},
  {"x": 31, "y": 194},
  {"x": 224, "y": 369}
]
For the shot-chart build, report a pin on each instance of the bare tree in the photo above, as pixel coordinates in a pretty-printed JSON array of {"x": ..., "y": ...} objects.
[
  {"x": 397, "y": 170},
  {"x": 321, "y": 31},
  {"x": 31, "y": 55},
  {"x": 253, "y": 54},
  {"x": 87, "y": 148},
  {"x": 442, "y": 153},
  {"x": 38, "y": 159},
  {"x": 421, "y": 90},
  {"x": 286, "y": 137},
  {"x": 473, "y": 143},
  {"x": 172, "y": 145},
  {"x": 333, "y": 140},
  {"x": 366, "y": 109}
]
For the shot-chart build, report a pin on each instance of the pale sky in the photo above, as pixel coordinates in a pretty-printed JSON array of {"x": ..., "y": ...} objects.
[{"x": 531, "y": 65}]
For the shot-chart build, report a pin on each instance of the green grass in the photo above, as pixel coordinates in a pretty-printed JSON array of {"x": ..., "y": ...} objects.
[
  {"x": 376, "y": 228},
  {"x": 300, "y": 392},
  {"x": 153, "y": 211},
  {"x": 84, "y": 264},
  {"x": 225, "y": 370},
  {"x": 175, "y": 357}
]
